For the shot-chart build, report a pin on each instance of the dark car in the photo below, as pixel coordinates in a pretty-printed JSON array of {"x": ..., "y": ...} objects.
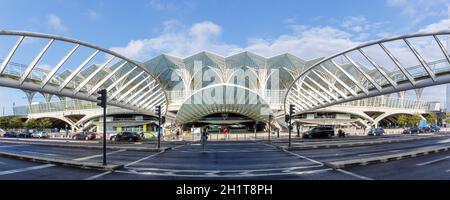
[
  {"x": 435, "y": 128},
  {"x": 84, "y": 136},
  {"x": 376, "y": 131},
  {"x": 426, "y": 129},
  {"x": 126, "y": 136},
  {"x": 319, "y": 132},
  {"x": 412, "y": 130},
  {"x": 25, "y": 134},
  {"x": 10, "y": 134}
]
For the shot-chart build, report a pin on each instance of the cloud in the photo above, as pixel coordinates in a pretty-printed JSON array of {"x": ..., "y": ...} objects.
[
  {"x": 310, "y": 43},
  {"x": 177, "y": 40},
  {"x": 419, "y": 10},
  {"x": 93, "y": 15},
  {"x": 55, "y": 23}
]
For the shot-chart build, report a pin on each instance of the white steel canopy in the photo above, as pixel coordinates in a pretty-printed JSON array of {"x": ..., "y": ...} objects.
[
  {"x": 376, "y": 68},
  {"x": 223, "y": 98},
  {"x": 79, "y": 72}
]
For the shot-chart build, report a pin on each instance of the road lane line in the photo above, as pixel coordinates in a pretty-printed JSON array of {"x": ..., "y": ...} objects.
[
  {"x": 97, "y": 176},
  {"x": 99, "y": 155},
  {"x": 39, "y": 153},
  {"x": 354, "y": 175},
  {"x": 339, "y": 170},
  {"x": 25, "y": 169},
  {"x": 433, "y": 161},
  {"x": 129, "y": 164},
  {"x": 142, "y": 159}
]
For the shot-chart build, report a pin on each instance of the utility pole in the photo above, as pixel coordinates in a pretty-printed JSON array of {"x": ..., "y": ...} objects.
[{"x": 101, "y": 101}]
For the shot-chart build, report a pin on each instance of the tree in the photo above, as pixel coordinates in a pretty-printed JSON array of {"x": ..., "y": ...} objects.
[
  {"x": 402, "y": 120},
  {"x": 45, "y": 123},
  {"x": 447, "y": 118},
  {"x": 32, "y": 123},
  {"x": 16, "y": 122},
  {"x": 414, "y": 120},
  {"x": 431, "y": 118},
  {"x": 4, "y": 123}
]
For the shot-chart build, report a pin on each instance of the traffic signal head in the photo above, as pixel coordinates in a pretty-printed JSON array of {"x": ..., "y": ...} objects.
[
  {"x": 101, "y": 99},
  {"x": 286, "y": 118},
  {"x": 291, "y": 109},
  {"x": 158, "y": 111}
]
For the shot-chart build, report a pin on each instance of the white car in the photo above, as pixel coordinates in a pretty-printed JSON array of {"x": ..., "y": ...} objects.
[{"x": 40, "y": 134}]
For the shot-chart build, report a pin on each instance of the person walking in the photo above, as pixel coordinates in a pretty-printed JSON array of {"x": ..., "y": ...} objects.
[{"x": 204, "y": 137}]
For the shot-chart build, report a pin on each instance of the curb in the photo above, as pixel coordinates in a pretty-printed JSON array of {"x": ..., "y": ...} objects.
[
  {"x": 145, "y": 149},
  {"x": 355, "y": 144},
  {"x": 386, "y": 158},
  {"x": 70, "y": 163}
]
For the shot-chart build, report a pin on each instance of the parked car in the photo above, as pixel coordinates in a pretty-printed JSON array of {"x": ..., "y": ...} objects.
[
  {"x": 84, "y": 136},
  {"x": 319, "y": 132},
  {"x": 425, "y": 129},
  {"x": 435, "y": 128},
  {"x": 10, "y": 134},
  {"x": 376, "y": 131},
  {"x": 126, "y": 136},
  {"x": 25, "y": 134},
  {"x": 40, "y": 134},
  {"x": 411, "y": 130}
]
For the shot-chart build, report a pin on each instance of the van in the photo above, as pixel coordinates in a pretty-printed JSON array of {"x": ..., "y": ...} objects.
[{"x": 319, "y": 132}]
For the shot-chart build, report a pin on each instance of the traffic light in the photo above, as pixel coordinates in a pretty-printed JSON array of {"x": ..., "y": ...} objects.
[
  {"x": 291, "y": 109},
  {"x": 101, "y": 100},
  {"x": 163, "y": 120},
  {"x": 286, "y": 118},
  {"x": 158, "y": 111}
]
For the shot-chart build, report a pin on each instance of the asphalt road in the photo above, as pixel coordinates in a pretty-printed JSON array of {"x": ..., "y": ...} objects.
[{"x": 227, "y": 160}]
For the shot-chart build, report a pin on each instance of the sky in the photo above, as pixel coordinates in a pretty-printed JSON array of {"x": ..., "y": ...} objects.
[{"x": 143, "y": 29}]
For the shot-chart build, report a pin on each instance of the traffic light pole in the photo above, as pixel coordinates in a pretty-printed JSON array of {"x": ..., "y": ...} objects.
[
  {"x": 159, "y": 127},
  {"x": 101, "y": 101},
  {"x": 290, "y": 128},
  {"x": 270, "y": 119},
  {"x": 104, "y": 135}
]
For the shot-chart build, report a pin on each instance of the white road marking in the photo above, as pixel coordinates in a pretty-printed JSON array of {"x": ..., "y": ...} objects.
[
  {"x": 9, "y": 146},
  {"x": 433, "y": 161},
  {"x": 97, "y": 176},
  {"x": 214, "y": 174},
  {"x": 39, "y": 153},
  {"x": 25, "y": 169},
  {"x": 142, "y": 159},
  {"x": 129, "y": 164},
  {"x": 444, "y": 141},
  {"x": 99, "y": 155},
  {"x": 339, "y": 170},
  {"x": 354, "y": 175}
]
